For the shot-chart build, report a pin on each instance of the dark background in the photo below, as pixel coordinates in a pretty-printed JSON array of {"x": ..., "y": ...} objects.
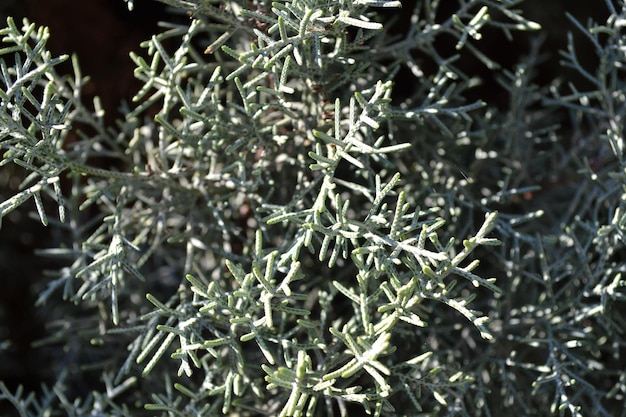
[{"x": 102, "y": 33}]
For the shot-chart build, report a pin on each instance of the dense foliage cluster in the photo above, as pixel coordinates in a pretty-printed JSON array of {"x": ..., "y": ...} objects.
[{"x": 304, "y": 213}]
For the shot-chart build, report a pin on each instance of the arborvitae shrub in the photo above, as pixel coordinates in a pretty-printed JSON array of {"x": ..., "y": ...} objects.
[{"x": 302, "y": 213}]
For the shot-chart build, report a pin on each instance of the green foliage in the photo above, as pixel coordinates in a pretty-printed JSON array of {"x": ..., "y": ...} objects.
[{"x": 278, "y": 226}]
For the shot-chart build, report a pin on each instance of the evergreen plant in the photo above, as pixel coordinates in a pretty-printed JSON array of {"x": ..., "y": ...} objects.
[{"x": 303, "y": 213}]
